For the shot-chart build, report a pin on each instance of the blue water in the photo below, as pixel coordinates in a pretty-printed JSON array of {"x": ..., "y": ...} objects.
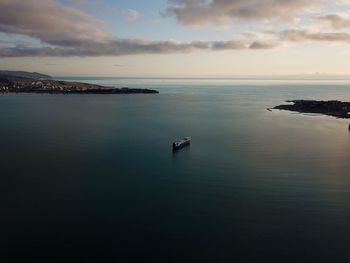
[{"x": 92, "y": 178}]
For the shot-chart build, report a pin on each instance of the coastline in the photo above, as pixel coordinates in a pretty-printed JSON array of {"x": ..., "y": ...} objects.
[
  {"x": 13, "y": 84},
  {"x": 332, "y": 108}
]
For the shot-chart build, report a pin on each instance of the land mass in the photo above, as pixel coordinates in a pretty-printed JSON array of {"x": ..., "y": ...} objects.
[
  {"x": 18, "y": 84},
  {"x": 333, "y": 108},
  {"x": 24, "y": 74}
]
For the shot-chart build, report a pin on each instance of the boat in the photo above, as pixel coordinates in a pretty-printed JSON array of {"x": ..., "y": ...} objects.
[{"x": 180, "y": 144}]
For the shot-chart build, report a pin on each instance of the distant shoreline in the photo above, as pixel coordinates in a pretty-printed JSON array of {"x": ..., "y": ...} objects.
[
  {"x": 333, "y": 108},
  {"x": 19, "y": 84}
]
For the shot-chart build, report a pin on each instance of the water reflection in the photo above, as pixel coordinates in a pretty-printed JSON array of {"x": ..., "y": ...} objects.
[{"x": 181, "y": 153}]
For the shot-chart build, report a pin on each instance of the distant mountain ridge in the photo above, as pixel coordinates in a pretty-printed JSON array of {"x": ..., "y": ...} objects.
[{"x": 24, "y": 74}]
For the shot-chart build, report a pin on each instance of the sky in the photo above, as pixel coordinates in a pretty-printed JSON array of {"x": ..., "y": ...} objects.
[{"x": 174, "y": 38}]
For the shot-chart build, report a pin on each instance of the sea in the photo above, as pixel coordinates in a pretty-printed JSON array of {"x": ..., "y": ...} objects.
[{"x": 93, "y": 178}]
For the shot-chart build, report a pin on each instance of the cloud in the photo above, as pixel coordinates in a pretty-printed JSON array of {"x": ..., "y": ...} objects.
[
  {"x": 49, "y": 21},
  {"x": 132, "y": 15},
  {"x": 66, "y": 31},
  {"x": 202, "y": 12},
  {"x": 335, "y": 20},
  {"x": 54, "y": 64},
  {"x": 343, "y": 2},
  {"x": 302, "y": 35},
  {"x": 98, "y": 6},
  {"x": 122, "y": 47}
]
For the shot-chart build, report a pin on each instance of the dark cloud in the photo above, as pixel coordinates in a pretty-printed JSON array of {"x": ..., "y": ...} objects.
[
  {"x": 132, "y": 47},
  {"x": 263, "y": 45},
  {"x": 335, "y": 20},
  {"x": 202, "y": 12},
  {"x": 302, "y": 35}
]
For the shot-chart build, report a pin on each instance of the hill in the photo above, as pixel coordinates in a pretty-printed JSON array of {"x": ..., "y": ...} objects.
[{"x": 24, "y": 74}]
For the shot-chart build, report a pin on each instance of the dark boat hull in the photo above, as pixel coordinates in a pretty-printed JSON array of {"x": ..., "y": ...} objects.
[{"x": 181, "y": 144}]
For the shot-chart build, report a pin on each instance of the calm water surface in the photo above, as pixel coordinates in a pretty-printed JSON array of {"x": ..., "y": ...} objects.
[{"x": 92, "y": 178}]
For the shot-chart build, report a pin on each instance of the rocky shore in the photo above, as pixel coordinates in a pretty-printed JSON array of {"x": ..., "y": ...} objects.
[
  {"x": 15, "y": 84},
  {"x": 333, "y": 108}
]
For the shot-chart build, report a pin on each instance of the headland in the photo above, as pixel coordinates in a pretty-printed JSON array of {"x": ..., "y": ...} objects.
[
  {"x": 333, "y": 108},
  {"x": 18, "y": 84}
]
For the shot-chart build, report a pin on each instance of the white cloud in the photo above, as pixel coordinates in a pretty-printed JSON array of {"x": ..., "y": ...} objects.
[
  {"x": 54, "y": 23},
  {"x": 132, "y": 15}
]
